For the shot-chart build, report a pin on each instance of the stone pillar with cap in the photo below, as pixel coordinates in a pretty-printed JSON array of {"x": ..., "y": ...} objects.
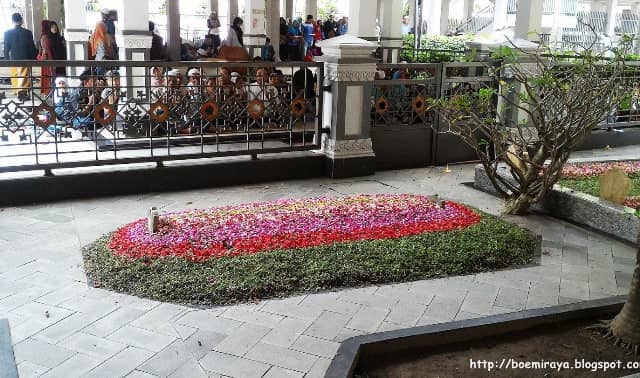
[
  {"x": 349, "y": 70},
  {"x": 134, "y": 41},
  {"x": 76, "y": 32}
]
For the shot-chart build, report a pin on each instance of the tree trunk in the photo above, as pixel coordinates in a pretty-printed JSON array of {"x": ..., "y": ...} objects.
[
  {"x": 626, "y": 325},
  {"x": 519, "y": 205}
]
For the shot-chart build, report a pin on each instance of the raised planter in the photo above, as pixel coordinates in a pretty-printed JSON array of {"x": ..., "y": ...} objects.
[
  {"x": 577, "y": 207},
  {"x": 401, "y": 342}
]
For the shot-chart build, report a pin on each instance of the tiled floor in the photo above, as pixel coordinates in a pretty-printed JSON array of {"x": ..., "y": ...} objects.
[{"x": 62, "y": 328}]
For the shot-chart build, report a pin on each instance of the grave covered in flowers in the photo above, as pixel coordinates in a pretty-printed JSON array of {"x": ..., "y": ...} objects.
[{"x": 257, "y": 250}]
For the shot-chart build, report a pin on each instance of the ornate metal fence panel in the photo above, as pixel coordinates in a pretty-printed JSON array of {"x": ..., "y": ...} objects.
[
  {"x": 101, "y": 113},
  {"x": 402, "y": 97}
]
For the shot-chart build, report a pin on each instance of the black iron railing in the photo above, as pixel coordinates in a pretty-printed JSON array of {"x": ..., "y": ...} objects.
[{"x": 118, "y": 112}]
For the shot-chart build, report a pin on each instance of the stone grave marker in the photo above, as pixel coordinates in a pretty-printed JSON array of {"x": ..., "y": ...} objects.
[{"x": 615, "y": 185}]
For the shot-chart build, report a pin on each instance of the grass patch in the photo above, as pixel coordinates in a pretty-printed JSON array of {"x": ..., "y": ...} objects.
[
  {"x": 591, "y": 185},
  {"x": 491, "y": 244}
]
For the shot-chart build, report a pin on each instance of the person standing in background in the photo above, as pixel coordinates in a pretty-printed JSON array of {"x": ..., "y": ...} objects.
[
  {"x": 343, "y": 26},
  {"x": 308, "y": 34},
  {"x": 158, "y": 50},
  {"x": 213, "y": 24},
  {"x": 18, "y": 45},
  {"x": 234, "y": 36},
  {"x": 52, "y": 47}
]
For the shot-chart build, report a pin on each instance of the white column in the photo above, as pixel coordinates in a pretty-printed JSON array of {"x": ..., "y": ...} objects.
[
  {"x": 362, "y": 20},
  {"x": 436, "y": 12},
  {"x": 556, "y": 29},
  {"x": 467, "y": 11},
  {"x": 233, "y": 10},
  {"x": 289, "y": 9},
  {"x": 500, "y": 14},
  {"x": 528, "y": 20},
  {"x": 134, "y": 41},
  {"x": 173, "y": 29},
  {"x": 54, "y": 11},
  {"x": 311, "y": 7},
  {"x": 391, "y": 29},
  {"x": 76, "y": 32},
  {"x": 254, "y": 24},
  {"x": 213, "y": 5},
  {"x": 612, "y": 6},
  {"x": 35, "y": 12},
  {"x": 273, "y": 29}
]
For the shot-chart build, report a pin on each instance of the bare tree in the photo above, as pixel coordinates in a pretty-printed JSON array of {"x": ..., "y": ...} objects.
[
  {"x": 625, "y": 327},
  {"x": 554, "y": 102}
]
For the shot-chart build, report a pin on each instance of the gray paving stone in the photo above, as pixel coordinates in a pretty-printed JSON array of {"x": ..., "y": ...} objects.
[
  {"x": 287, "y": 332},
  {"x": 97, "y": 347},
  {"x": 201, "y": 342},
  {"x": 331, "y": 302},
  {"x": 65, "y": 293},
  {"x": 319, "y": 369},
  {"x": 286, "y": 358},
  {"x": 120, "y": 364},
  {"x": 209, "y": 321},
  {"x": 167, "y": 361},
  {"x": 574, "y": 255},
  {"x": 511, "y": 298},
  {"x": 407, "y": 313},
  {"x": 315, "y": 346},
  {"x": 141, "y": 338},
  {"x": 110, "y": 323},
  {"x": 233, "y": 366},
  {"x": 242, "y": 339},
  {"x": 158, "y": 316},
  {"x": 328, "y": 325},
  {"x": 140, "y": 374},
  {"x": 41, "y": 353},
  {"x": 75, "y": 366},
  {"x": 495, "y": 310},
  {"x": 368, "y": 318},
  {"x": 64, "y": 328},
  {"x": 442, "y": 308},
  {"x": 294, "y": 310},
  {"x": 389, "y": 326},
  {"x": 544, "y": 289},
  {"x": 566, "y": 300},
  {"x": 346, "y": 333},
  {"x": 541, "y": 301},
  {"x": 623, "y": 279},
  {"x": 191, "y": 369},
  {"x": 466, "y": 315},
  {"x": 367, "y": 298},
  {"x": 28, "y": 369},
  {"x": 576, "y": 272},
  {"x": 253, "y": 317},
  {"x": 574, "y": 289},
  {"x": 278, "y": 372}
]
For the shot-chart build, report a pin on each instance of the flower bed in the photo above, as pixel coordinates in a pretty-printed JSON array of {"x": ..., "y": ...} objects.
[
  {"x": 585, "y": 177},
  {"x": 239, "y": 253},
  {"x": 252, "y": 228}
]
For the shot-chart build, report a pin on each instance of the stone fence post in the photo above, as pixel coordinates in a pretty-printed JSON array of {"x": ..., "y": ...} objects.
[{"x": 349, "y": 71}]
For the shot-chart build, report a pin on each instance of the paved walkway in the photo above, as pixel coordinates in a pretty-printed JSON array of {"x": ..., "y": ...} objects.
[{"x": 62, "y": 328}]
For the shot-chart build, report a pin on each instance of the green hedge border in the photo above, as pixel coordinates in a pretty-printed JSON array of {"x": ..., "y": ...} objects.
[{"x": 490, "y": 245}]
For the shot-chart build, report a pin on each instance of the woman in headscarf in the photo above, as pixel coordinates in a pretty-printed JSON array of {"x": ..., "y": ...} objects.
[
  {"x": 234, "y": 36},
  {"x": 52, "y": 47},
  {"x": 101, "y": 45}
]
